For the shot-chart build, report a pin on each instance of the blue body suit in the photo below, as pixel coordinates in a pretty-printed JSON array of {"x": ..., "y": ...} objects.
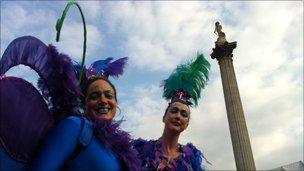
[{"x": 58, "y": 151}]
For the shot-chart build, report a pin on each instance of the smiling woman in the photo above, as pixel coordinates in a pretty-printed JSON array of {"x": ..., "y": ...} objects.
[
  {"x": 92, "y": 141},
  {"x": 182, "y": 88},
  {"x": 89, "y": 140},
  {"x": 101, "y": 100}
]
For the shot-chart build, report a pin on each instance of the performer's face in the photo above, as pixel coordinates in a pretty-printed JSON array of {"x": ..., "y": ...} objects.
[
  {"x": 177, "y": 117},
  {"x": 100, "y": 100}
]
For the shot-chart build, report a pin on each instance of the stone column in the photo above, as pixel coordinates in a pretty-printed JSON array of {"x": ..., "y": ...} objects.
[{"x": 237, "y": 124}]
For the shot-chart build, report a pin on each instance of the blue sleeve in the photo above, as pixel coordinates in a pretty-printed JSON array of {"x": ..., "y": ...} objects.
[{"x": 59, "y": 145}]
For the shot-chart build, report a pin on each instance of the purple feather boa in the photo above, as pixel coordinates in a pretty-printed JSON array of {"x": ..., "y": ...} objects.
[{"x": 119, "y": 142}]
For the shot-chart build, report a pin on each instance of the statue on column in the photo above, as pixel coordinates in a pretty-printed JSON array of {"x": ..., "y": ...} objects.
[
  {"x": 223, "y": 48},
  {"x": 221, "y": 35}
]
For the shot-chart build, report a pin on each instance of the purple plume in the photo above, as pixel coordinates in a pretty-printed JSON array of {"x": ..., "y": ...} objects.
[
  {"x": 107, "y": 68},
  {"x": 116, "y": 68},
  {"x": 62, "y": 83}
]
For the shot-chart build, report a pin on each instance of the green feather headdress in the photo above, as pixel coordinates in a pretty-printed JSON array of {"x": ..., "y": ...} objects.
[{"x": 187, "y": 81}]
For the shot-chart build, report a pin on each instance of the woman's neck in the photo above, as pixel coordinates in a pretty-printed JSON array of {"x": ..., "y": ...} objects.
[{"x": 170, "y": 144}]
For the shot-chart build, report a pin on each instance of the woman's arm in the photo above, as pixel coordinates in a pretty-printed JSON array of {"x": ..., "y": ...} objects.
[{"x": 59, "y": 145}]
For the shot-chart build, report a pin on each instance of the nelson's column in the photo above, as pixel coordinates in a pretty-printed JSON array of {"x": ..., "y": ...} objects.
[{"x": 237, "y": 124}]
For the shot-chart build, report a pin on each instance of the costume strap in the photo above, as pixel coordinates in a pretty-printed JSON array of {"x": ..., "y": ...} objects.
[
  {"x": 86, "y": 133},
  {"x": 84, "y": 140}
]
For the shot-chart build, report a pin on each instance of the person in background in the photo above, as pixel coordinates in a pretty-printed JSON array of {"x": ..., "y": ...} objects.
[{"x": 183, "y": 89}]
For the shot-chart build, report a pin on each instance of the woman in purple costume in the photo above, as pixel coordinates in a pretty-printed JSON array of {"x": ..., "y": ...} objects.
[
  {"x": 94, "y": 140},
  {"x": 63, "y": 126},
  {"x": 38, "y": 136},
  {"x": 182, "y": 88}
]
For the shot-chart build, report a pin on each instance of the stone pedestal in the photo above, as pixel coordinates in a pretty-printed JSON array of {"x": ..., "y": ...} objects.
[{"x": 237, "y": 124}]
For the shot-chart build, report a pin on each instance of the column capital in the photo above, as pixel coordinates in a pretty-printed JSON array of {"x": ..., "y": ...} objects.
[{"x": 223, "y": 51}]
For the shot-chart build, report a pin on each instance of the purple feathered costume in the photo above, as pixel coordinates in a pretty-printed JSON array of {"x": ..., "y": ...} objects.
[
  {"x": 153, "y": 158},
  {"x": 26, "y": 116}
]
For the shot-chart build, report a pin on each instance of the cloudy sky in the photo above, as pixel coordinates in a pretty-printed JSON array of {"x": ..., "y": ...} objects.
[{"x": 157, "y": 36}]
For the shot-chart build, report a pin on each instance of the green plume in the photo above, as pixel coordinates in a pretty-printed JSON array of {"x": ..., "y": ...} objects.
[{"x": 191, "y": 77}]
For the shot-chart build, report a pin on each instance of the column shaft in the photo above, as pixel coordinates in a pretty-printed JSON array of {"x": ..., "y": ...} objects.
[{"x": 237, "y": 124}]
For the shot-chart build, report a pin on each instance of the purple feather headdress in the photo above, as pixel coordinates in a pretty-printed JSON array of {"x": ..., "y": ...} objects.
[
  {"x": 101, "y": 68},
  {"x": 107, "y": 68}
]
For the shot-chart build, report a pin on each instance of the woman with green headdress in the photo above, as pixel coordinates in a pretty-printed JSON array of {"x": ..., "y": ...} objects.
[{"x": 183, "y": 89}]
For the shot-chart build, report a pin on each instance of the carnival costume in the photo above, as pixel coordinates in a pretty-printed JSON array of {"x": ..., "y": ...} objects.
[
  {"x": 73, "y": 142},
  {"x": 184, "y": 85}
]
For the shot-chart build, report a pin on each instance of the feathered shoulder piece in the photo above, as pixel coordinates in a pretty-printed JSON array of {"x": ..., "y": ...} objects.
[
  {"x": 187, "y": 81},
  {"x": 195, "y": 156}
]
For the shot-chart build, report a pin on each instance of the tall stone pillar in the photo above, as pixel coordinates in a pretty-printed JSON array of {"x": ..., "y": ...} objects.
[{"x": 237, "y": 124}]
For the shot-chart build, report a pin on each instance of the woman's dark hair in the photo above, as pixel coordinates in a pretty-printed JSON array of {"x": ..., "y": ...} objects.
[
  {"x": 169, "y": 104},
  {"x": 86, "y": 83}
]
